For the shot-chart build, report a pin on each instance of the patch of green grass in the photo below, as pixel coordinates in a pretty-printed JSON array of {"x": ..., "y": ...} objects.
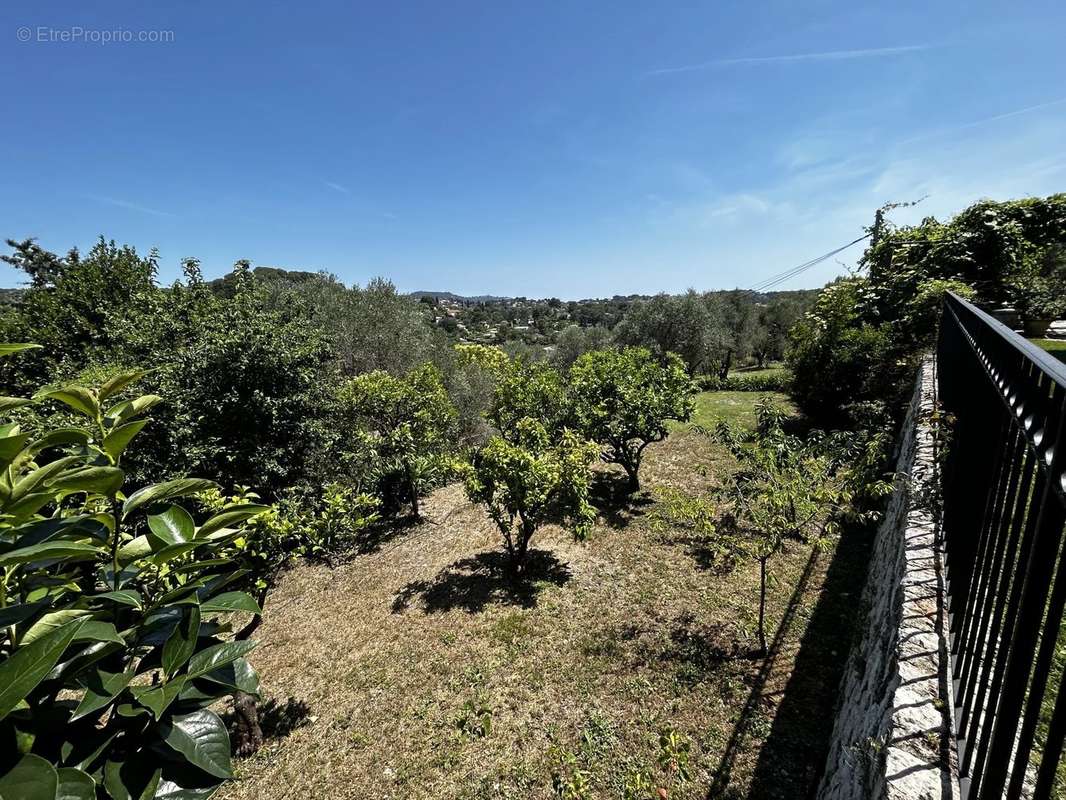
[
  {"x": 737, "y": 408},
  {"x": 1057, "y": 347}
]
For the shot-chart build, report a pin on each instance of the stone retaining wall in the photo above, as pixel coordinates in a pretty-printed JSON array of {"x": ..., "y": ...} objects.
[{"x": 892, "y": 736}]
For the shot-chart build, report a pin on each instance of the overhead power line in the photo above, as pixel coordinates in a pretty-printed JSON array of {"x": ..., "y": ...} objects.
[{"x": 788, "y": 274}]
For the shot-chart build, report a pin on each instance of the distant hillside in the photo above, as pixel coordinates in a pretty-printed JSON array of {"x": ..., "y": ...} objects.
[
  {"x": 224, "y": 286},
  {"x": 458, "y": 298}
]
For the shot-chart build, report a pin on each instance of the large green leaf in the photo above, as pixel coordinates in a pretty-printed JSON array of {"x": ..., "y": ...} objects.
[
  {"x": 97, "y": 480},
  {"x": 11, "y": 445},
  {"x": 11, "y": 348},
  {"x": 118, "y": 382},
  {"x": 75, "y": 785},
  {"x": 118, "y": 439},
  {"x": 100, "y": 689},
  {"x": 28, "y": 505},
  {"x": 182, "y": 641},
  {"x": 240, "y": 676},
  {"x": 126, "y": 597},
  {"x": 134, "y": 549},
  {"x": 211, "y": 658},
  {"x": 50, "y": 622},
  {"x": 172, "y": 525},
  {"x": 172, "y": 551},
  {"x": 60, "y": 437},
  {"x": 82, "y": 400},
  {"x": 157, "y": 698},
  {"x": 11, "y": 403},
  {"x": 13, "y": 615},
  {"x": 232, "y": 601},
  {"x": 131, "y": 408},
  {"x": 28, "y": 666},
  {"x": 32, "y": 778},
  {"x": 35, "y": 477},
  {"x": 202, "y": 739},
  {"x": 230, "y": 516},
  {"x": 164, "y": 492},
  {"x": 136, "y": 778},
  {"x": 54, "y": 548}
]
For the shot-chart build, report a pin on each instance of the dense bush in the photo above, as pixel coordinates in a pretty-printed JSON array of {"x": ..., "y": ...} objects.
[
  {"x": 113, "y": 616},
  {"x": 398, "y": 430},
  {"x": 246, "y": 396},
  {"x": 858, "y": 347}
]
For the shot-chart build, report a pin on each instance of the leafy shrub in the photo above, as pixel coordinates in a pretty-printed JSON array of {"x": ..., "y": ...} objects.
[
  {"x": 526, "y": 478},
  {"x": 623, "y": 400},
  {"x": 113, "y": 645},
  {"x": 406, "y": 425},
  {"x": 529, "y": 390},
  {"x": 246, "y": 397}
]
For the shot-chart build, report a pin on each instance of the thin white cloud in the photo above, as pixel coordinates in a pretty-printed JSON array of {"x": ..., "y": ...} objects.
[
  {"x": 337, "y": 187},
  {"x": 829, "y": 55},
  {"x": 985, "y": 121},
  {"x": 132, "y": 206}
]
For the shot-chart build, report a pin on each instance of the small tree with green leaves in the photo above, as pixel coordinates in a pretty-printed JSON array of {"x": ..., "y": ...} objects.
[
  {"x": 113, "y": 604},
  {"x": 404, "y": 423},
  {"x": 527, "y": 478},
  {"x": 528, "y": 389},
  {"x": 787, "y": 489},
  {"x": 623, "y": 399}
]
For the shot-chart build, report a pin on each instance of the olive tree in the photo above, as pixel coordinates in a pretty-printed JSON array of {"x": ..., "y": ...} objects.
[
  {"x": 623, "y": 400},
  {"x": 529, "y": 477},
  {"x": 113, "y": 611},
  {"x": 405, "y": 424}
]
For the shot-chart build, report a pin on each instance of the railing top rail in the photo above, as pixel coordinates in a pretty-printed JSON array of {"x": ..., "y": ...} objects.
[{"x": 1054, "y": 368}]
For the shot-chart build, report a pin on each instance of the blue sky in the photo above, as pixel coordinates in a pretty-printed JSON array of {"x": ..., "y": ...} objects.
[{"x": 534, "y": 148}]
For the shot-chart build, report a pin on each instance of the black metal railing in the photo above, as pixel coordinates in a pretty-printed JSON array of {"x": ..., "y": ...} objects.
[{"x": 1004, "y": 481}]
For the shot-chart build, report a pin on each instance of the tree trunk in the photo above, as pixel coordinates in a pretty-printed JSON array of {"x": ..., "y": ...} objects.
[
  {"x": 634, "y": 478},
  {"x": 762, "y": 606},
  {"x": 412, "y": 487},
  {"x": 249, "y": 735},
  {"x": 727, "y": 362}
]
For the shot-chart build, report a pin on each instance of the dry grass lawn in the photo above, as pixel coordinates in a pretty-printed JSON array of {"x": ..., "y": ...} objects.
[{"x": 418, "y": 670}]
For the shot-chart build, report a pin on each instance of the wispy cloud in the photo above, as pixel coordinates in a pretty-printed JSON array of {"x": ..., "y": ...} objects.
[
  {"x": 132, "y": 206},
  {"x": 828, "y": 55},
  {"x": 337, "y": 187},
  {"x": 984, "y": 121}
]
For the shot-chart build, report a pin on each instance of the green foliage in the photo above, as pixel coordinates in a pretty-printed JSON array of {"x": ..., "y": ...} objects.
[
  {"x": 859, "y": 346},
  {"x": 574, "y": 341},
  {"x": 405, "y": 424},
  {"x": 244, "y": 395},
  {"x": 623, "y": 400},
  {"x": 528, "y": 390},
  {"x": 789, "y": 488},
  {"x": 530, "y": 477},
  {"x": 114, "y": 606},
  {"x": 837, "y": 359},
  {"x": 72, "y": 302}
]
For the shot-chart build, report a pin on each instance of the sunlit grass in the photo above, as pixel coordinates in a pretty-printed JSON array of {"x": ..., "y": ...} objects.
[{"x": 1057, "y": 347}]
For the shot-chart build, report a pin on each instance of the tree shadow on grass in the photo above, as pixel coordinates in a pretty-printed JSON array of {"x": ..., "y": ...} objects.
[
  {"x": 473, "y": 583},
  {"x": 277, "y": 719},
  {"x": 792, "y": 758},
  {"x": 610, "y": 494}
]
